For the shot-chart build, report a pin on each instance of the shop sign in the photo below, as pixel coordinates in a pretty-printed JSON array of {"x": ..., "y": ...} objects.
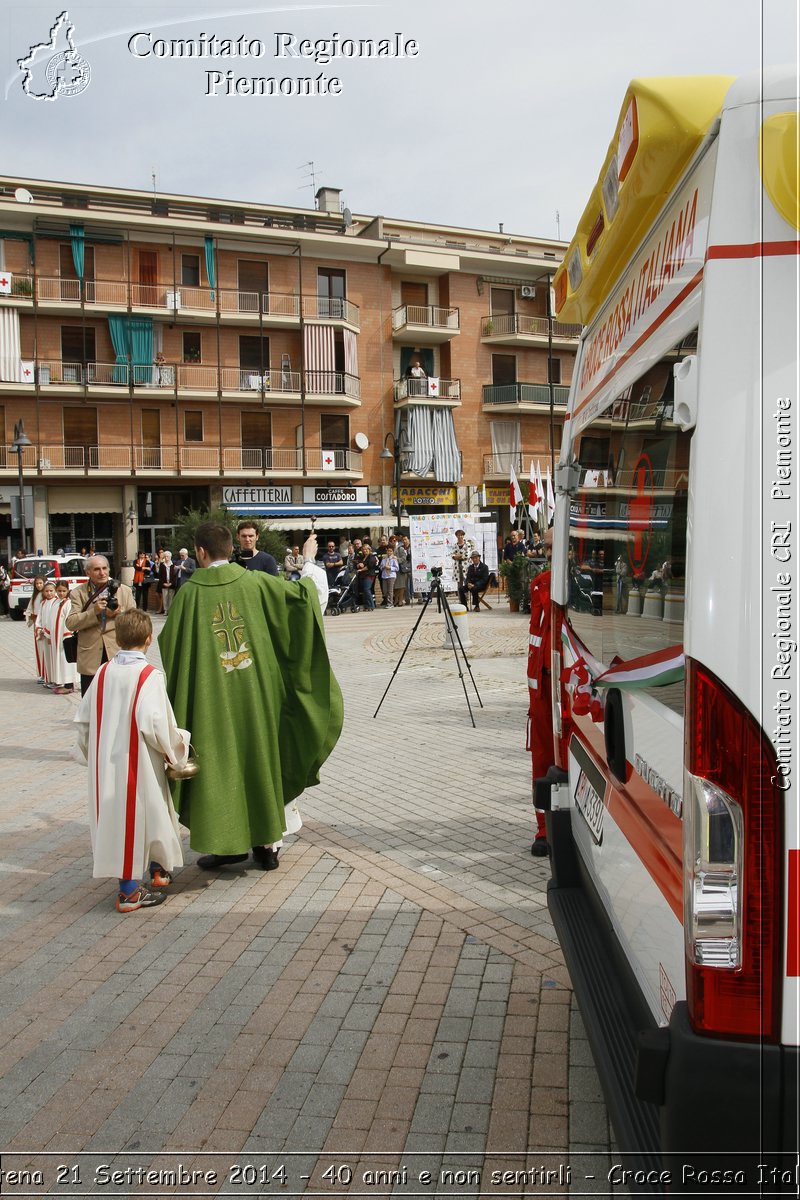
[
  {"x": 232, "y": 496},
  {"x": 428, "y": 497},
  {"x": 495, "y": 497},
  {"x": 335, "y": 495}
]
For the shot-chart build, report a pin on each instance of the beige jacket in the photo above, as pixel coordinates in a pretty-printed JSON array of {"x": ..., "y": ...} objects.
[{"x": 91, "y": 637}]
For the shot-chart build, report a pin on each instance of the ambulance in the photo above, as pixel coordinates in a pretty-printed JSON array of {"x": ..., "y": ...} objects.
[{"x": 673, "y": 804}]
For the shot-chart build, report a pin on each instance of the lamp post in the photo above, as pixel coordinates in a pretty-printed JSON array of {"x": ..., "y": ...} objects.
[
  {"x": 398, "y": 444},
  {"x": 21, "y": 443}
]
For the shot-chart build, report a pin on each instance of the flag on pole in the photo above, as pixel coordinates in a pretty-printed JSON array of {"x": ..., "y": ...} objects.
[
  {"x": 540, "y": 487},
  {"x": 534, "y": 494},
  {"x": 550, "y": 498},
  {"x": 515, "y": 495}
]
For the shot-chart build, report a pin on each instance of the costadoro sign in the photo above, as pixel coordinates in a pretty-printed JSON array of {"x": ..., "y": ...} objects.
[
  {"x": 335, "y": 495},
  {"x": 235, "y": 496}
]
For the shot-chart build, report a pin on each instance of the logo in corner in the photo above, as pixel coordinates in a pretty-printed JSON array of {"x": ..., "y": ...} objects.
[{"x": 55, "y": 68}]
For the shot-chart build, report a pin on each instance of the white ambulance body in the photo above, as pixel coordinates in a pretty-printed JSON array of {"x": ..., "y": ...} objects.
[{"x": 676, "y": 573}]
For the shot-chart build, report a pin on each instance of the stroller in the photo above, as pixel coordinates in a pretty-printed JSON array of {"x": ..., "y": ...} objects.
[{"x": 342, "y": 596}]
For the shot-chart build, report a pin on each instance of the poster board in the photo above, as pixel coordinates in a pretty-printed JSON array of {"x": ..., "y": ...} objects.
[{"x": 433, "y": 540}]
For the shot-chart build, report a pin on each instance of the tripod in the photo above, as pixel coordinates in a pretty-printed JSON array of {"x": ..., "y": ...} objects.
[{"x": 437, "y": 590}]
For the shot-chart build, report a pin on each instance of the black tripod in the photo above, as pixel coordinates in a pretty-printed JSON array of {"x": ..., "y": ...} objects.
[{"x": 455, "y": 641}]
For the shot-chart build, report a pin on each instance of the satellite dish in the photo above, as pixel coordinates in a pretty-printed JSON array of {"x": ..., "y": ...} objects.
[
  {"x": 23, "y": 196},
  {"x": 347, "y": 217},
  {"x": 361, "y": 440}
]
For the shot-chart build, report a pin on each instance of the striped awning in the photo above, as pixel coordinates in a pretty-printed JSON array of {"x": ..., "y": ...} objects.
[
  {"x": 431, "y": 441},
  {"x": 319, "y": 511},
  {"x": 320, "y": 358}
]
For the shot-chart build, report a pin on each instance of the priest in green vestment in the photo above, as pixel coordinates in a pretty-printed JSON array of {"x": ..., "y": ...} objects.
[{"x": 248, "y": 673}]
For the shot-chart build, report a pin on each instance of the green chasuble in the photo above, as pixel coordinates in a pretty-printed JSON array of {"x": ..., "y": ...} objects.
[{"x": 248, "y": 675}]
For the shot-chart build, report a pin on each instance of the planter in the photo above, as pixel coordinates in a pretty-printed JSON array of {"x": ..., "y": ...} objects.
[{"x": 513, "y": 605}]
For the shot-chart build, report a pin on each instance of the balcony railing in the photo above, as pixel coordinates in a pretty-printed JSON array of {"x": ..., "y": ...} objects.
[
  {"x": 504, "y": 324},
  {"x": 428, "y": 316},
  {"x": 117, "y": 293},
  {"x": 330, "y": 308},
  {"x": 194, "y": 377},
  {"x": 524, "y": 393},
  {"x": 427, "y": 389},
  {"x": 122, "y": 459},
  {"x": 501, "y": 464}
]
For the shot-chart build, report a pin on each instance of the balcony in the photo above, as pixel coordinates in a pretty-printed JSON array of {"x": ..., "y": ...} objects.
[
  {"x": 425, "y": 323},
  {"x": 517, "y": 329},
  {"x": 498, "y": 466},
  {"x": 332, "y": 310},
  {"x": 199, "y": 460},
  {"x": 441, "y": 393},
  {"x": 523, "y": 397},
  {"x": 280, "y": 385},
  {"x": 168, "y": 299}
]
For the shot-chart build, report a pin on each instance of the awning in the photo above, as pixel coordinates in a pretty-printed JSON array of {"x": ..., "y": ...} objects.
[
  {"x": 320, "y": 511},
  {"x": 328, "y": 524}
]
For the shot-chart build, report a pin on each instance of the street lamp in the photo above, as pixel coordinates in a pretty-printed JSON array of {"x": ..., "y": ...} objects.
[
  {"x": 21, "y": 443},
  {"x": 131, "y": 515},
  {"x": 398, "y": 445}
]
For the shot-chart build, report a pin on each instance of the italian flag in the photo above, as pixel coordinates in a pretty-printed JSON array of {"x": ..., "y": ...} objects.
[{"x": 649, "y": 670}]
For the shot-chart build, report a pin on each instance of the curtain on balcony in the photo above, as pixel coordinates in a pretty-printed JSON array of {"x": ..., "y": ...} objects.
[
  {"x": 211, "y": 266},
  {"x": 430, "y": 443},
  {"x": 350, "y": 352},
  {"x": 10, "y": 361},
  {"x": 506, "y": 445},
  {"x": 132, "y": 336},
  {"x": 76, "y": 237},
  {"x": 320, "y": 358}
]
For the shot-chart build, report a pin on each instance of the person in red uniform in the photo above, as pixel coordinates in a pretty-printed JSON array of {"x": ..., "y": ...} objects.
[{"x": 540, "y": 708}]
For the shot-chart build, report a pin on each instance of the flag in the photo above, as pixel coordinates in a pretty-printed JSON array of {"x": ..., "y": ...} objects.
[
  {"x": 540, "y": 486},
  {"x": 433, "y": 387},
  {"x": 26, "y": 371},
  {"x": 5, "y": 283},
  {"x": 534, "y": 494},
  {"x": 328, "y": 460},
  {"x": 550, "y": 498},
  {"x": 515, "y": 495}
]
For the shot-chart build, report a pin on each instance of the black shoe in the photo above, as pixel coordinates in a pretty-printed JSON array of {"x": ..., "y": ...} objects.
[
  {"x": 266, "y": 857},
  {"x": 210, "y": 862},
  {"x": 540, "y": 848}
]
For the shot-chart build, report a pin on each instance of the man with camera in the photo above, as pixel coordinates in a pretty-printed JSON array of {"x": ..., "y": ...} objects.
[
  {"x": 247, "y": 555},
  {"x": 95, "y": 606}
]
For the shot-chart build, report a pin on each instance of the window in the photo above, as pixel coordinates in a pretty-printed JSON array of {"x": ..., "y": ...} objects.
[
  {"x": 193, "y": 426},
  {"x": 413, "y": 295},
  {"x": 190, "y": 270},
  {"x": 256, "y": 430},
  {"x": 331, "y": 291},
  {"x": 334, "y": 431},
  {"x": 67, "y": 264},
  {"x": 554, "y": 370},
  {"x": 77, "y": 349},
  {"x": 628, "y": 528},
  {"x": 502, "y": 301},
  {"x": 254, "y": 354},
  {"x": 192, "y": 347},
  {"x": 80, "y": 427},
  {"x": 504, "y": 369}
]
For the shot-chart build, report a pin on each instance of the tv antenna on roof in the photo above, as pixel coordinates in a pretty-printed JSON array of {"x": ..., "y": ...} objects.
[{"x": 311, "y": 177}]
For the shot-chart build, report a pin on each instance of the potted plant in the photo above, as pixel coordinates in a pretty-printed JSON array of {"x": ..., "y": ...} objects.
[
  {"x": 514, "y": 572},
  {"x": 22, "y": 286}
]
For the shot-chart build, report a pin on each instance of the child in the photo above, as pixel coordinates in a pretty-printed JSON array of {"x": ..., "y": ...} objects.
[
  {"x": 126, "y": 729},
  {"x": 63, "y": 671},
  {"x": 42, "y": 629},
  {"x": 30, "y": 616}
]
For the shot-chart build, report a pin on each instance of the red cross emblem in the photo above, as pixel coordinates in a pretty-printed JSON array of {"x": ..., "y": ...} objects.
[
  {"x": 27, "y": 371},
  {"x": 4, "y": 281},
  {"x": 328, "y": 460},
  {"x": 434, "y": 386}
]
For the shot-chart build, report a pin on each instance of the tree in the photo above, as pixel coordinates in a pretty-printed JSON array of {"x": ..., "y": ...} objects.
[{"x": 269, "y": 539}]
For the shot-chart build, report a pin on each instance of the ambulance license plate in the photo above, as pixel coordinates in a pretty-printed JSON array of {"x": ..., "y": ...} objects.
[{"x": 590, "y": 805}]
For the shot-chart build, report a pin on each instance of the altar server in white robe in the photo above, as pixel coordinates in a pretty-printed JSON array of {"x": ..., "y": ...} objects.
[
  {"x": 63, "y": 672},
  {"x": 42, "y": 630},
  {"x": 127, "y": 733}
]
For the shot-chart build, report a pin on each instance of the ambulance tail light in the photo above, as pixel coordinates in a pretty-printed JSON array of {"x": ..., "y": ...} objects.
[
  {"x": 732, "y": 835},
  {"x": 562, "y": 714}
]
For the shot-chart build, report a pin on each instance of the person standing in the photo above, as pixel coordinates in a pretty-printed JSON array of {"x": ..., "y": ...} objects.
[
  {"x": 126, "y": 731},
  {"x": 63, "y": 671},
  {"x": 93, "y": 618},
  {"x": 5, "y": 586},
  {"x": 333, "y": 562},
  {"x": 400, "y": 583},
  {"x": 239, "y": 643},
  {"x": 247, "y": 555},
  {"x": 42, "y": 630},
  {"x": 167, "y": 574},
  {"x": 31, "y": 616},
  {"x": 389, "y": 569},
  {"x": 186, "y": 566},
  {"x": 142, "y": 579},
  {"x": 540, "y": 711},
  {"x": 293, "y": 564},
  {"x": 366, "y": 569}
]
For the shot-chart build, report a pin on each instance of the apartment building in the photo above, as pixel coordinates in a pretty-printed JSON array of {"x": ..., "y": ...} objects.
[{"x": 167, "y": 351}]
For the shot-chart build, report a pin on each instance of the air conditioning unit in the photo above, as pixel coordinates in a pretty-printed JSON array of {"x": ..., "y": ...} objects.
[{"x": 527, "y": 291}]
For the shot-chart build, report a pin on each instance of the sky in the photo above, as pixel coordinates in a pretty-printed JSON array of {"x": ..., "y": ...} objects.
[{"x": 502, "y": 116}]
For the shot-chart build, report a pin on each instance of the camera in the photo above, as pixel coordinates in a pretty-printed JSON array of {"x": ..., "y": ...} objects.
[
  {"x": 112, "y": 588},
  {"x": 436, "y": 572}
]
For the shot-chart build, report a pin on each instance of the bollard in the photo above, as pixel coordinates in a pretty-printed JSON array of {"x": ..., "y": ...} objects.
[
  {"x": 674, "y": 606},
  {"x": 461, "y": 622},
  {"x": 654, "y": 604},
  {"x": 634, "y": 603}
]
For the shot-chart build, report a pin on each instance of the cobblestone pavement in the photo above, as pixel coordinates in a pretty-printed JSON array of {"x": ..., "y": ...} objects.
[{"x": 392, "y": 1000}]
